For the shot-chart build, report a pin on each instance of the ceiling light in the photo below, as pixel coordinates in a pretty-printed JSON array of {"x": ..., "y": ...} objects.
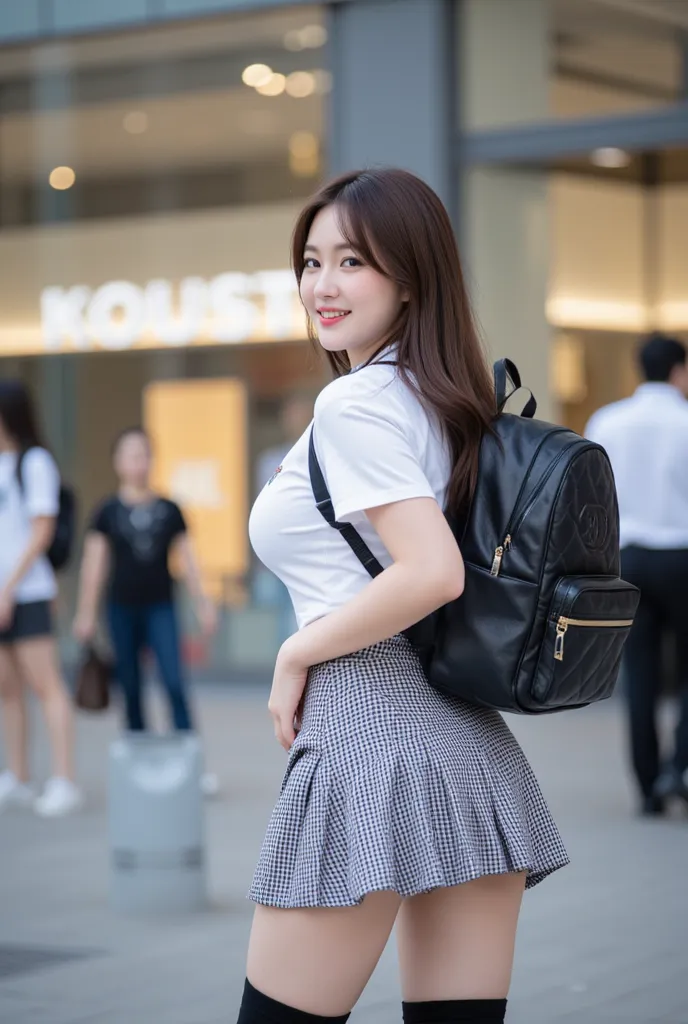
[
  {"x": 275, "y": 85},
  {"x": 313, "y": 36},
  {"x": 310, "y": 37},
  {"x": 610, "y": 156},
  {"x": 323, "y": 81},
  {"x": 135, "y": 122},
  {"x": 300, "y": 84},
  {"x": 304, "y": 155},
  {"x": 62, "y": 178},
  {"x": 293, "y": 41},
  {"x": 256, "y": 75}
]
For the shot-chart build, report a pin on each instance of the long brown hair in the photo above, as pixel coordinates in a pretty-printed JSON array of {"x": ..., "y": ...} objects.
[{"x": 398, "y": 226}]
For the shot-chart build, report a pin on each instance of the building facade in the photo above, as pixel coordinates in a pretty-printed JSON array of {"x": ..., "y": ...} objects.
[{"x": 153, "y": 156}]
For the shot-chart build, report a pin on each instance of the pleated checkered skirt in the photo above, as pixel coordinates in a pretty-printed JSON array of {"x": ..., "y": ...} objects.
[{"x": 393, "y": 785}]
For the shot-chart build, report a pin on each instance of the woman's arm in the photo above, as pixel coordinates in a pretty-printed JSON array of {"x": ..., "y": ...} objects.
[
  {"x": 427, "y": 572},
  {"x": 42, "y": 533},
  {"x": 95, "y": 567},
  {"x": 205, "y": 609}
]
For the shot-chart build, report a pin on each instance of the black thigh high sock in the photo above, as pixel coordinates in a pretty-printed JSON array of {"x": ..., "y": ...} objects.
[
  {"x": 455, "y": 1011},
  {"x": 259, "y": 1009}
]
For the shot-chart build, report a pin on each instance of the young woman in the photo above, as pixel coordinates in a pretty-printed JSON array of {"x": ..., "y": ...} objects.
[
  {"x": 29, "y": 501},
  {"x": 399, "y": 805},
  {"x": 130, "y": 539}
]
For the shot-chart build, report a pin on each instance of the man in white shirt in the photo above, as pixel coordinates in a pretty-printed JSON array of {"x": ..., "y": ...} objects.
[{"x": 646, "y": 437}]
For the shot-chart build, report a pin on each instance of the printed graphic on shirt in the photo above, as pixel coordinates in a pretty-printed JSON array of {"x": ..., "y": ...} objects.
[
  {"x": 144, "y": 527},
  {"x": 275, "y": 475}
]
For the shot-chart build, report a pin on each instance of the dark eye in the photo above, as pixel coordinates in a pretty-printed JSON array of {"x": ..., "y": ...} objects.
[
  {"x": 351, "y": 261},
  {"x": 309, "y": 263}
]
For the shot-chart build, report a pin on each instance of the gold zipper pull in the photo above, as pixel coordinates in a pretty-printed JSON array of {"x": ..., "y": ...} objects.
[
  {"x": 499, "y": 555},
  {"x": 562, "y": 626}
]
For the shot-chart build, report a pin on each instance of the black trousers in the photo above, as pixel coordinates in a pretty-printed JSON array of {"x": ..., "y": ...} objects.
[{"x": 662, "y": 577}]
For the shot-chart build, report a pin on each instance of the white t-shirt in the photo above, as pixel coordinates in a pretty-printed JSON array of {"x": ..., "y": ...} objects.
[
  {"x": 39, "y": 496},
  {"x": 646, "y": 439},
  {"x": 376, "y": 444}
]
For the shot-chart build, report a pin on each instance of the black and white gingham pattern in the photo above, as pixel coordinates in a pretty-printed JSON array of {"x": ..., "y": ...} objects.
[{"x": 392, "y": 785}]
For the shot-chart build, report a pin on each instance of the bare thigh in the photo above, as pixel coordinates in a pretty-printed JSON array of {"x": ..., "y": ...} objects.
[
  {"x": 319, "y": 959},
  {"x": 10, "y": 674},
  {"x": 458, "y": 943},
  {"x": 38, "y": 663}
]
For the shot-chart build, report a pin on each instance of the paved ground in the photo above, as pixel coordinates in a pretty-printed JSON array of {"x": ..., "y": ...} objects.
[{"x": 605, "y": 940}]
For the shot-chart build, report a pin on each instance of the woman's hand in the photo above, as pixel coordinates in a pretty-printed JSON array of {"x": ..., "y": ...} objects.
[
  {"x": 288, "y": 685},
  {"x": 84, "y": 627},
  {"x": 7, "y": 604},
  {"x": 207, "y": 616}
]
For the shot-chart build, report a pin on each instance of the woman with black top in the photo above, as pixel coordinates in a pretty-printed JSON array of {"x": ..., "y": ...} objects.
[
  {"x": 399, "y": 805},
  {"x": 131, "y": 537},
  {"x": 29, "y": 503}
]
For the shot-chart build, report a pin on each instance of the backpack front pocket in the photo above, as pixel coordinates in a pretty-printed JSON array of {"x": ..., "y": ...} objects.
[{"x": 588, "y": 623}]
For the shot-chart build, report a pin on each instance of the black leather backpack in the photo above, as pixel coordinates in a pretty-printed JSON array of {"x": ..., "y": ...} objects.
[{"x": 544, "y": 616}]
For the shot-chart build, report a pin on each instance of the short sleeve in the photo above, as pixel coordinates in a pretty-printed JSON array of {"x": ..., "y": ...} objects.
[
  {"x": 592, "y": 428},
  {"x": 40, "y": 480},
  {"x": 366, "y": 456},
  {"x": 100, "y": 519},
  {"x": 177, "y": 521}
]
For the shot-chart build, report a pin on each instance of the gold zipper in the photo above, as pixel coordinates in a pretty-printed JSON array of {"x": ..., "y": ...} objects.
[
  {"x": 563, "y": 623},
  {"x": 499, "y": 555}
]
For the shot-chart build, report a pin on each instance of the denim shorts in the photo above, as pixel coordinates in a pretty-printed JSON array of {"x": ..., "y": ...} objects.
[{"x": 31, "y": 620}]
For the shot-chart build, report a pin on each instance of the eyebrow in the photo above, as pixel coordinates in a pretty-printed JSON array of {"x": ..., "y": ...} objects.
[{"x": 314, "y": 248}]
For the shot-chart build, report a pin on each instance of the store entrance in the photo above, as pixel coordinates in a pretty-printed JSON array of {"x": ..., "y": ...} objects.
[{"x": 618, "y": 269}]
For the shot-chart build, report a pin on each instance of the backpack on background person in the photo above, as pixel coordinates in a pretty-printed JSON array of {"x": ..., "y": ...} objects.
[
  {"x": 62, "y": 544},
  {"x": 544, "y": 615}
]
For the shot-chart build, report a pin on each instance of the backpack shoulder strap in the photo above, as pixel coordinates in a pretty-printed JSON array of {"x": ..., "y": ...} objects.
[
  {"x": 19, "y": 469},
  {"x": 504, "y": 371},
  {"x": 323, "y": 503}
]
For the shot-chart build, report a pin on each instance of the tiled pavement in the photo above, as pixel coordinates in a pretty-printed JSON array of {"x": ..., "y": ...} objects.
[{"x": 605, "y": 940}]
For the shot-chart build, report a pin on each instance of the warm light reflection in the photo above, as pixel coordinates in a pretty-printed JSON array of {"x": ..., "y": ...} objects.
[
  {"x": 275, "y": 85},
  {"x": 300, "y": 84},
  {"x": 256, "y": 75},
  {"x": 304, "y": 155},
  {"x": 569, "y": 311},
  {"x": 62, "y": 178}
]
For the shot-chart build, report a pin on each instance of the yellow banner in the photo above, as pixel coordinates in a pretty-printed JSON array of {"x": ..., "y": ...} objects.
[{"x": 199, "y": 433}]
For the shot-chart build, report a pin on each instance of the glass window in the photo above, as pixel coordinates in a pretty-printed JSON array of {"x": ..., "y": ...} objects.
[
  {"x": 537, "y": 60},
  {"x": 149, "y": 183}
]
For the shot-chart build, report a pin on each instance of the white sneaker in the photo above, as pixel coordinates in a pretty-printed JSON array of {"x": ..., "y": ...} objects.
[
  {"x": 14, "y": 793},
  {"x": 59, "y": 797},
  {"x": 210, "y": 784}
]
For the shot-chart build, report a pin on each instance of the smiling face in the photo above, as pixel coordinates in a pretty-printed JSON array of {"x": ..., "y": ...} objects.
[{"x": 351, "y": 304}]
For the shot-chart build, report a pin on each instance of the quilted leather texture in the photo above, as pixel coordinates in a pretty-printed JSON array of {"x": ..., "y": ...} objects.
[{"x": 587, "y": 672}]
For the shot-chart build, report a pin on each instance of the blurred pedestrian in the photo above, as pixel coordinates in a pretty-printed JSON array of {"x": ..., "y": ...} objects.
[
  {"x": 131, "y": 537},
  {"x": 398, "y": 805},
  {"x": 29, "y": 504},
  {"x": 646, "y": 437},
  {"x": 296, "y": 414}
]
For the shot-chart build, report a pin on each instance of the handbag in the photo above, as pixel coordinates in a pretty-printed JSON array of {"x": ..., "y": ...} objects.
[{"x": 92, "y": 690}]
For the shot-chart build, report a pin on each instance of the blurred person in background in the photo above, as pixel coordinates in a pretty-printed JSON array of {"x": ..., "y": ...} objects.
[
  {"x": 296, "y": 415},
  {"x": 646, "y": 437},
  {"x": 131, "y": 537},
  {"x": 29, "y": 503}
]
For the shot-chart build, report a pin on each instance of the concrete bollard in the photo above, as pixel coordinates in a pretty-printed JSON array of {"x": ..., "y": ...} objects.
[{"x": 156, "y": 827}]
